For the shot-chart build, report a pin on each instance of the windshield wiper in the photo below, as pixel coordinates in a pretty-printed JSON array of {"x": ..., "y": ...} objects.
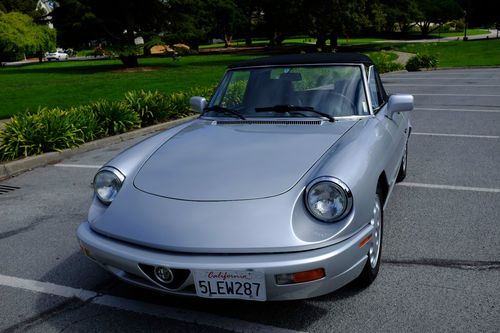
[
  {"x": 283, "y": 108},
  {"x": 221, "y": 109}
]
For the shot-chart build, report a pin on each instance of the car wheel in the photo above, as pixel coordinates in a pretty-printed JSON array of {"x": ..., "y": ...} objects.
[
  {"x": 372, "y": 266},
  {"x": 404, "y": 164}
]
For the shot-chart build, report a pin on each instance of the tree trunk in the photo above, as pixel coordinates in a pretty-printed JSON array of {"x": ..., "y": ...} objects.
[
  {"x": 279, "y": 39},
  {"x": 248, "y": 37},
  {"x": 334, "y": 40},
  {"x": 272, "y": 39},
  {"x": 129, "y": 61},
  {"x": 424, "y": 28},
  {"x": 321, "y": 42},
  {"x": 228, "y": 40}
]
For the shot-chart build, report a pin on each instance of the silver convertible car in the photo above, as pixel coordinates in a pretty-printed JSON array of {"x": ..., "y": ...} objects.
[{"x": 275, "y": 192}]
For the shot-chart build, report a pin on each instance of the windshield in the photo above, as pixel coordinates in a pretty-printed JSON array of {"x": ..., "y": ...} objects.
[{"x": 334, "y": 90}]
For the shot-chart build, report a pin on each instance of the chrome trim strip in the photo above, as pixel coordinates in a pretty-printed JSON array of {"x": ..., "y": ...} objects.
[
  {"x": 115, "y": 171},
  {"x": 367, "y": 90},
  {"x": 301, "y": 65}
]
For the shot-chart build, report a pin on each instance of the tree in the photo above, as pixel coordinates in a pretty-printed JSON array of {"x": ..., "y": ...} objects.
[
  {"x": 19, "y": 36},
  {"x": 118, "y": 22},
  {"x": 225, "y": 18},
  {"x": 27, "y": 7},
  {"x": 479, "y": 13},
  {"x": 281, "y": 18},
  {"x": 250, "y": 12},
  {"x": 400, "y": 13},
  {"x": 377, "y": 16},
  {"x": 437, "y": 12},
  {"x": 329, "y": 19}
]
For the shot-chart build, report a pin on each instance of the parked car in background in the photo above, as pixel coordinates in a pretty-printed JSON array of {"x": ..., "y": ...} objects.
[
  {"x": 275, "y": 192},
  {"x": 58, "y": 55}
]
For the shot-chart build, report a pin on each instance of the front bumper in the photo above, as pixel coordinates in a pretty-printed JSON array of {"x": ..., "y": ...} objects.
[{"x": 342, "y": 263}]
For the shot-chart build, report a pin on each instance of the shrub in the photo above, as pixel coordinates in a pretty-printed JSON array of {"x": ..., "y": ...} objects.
[
  {"x": 87, "y": 121},
  {"x": 115, "y": 117},
  {"x": 56, "y": 129},
  {"x": 36, "y": 133},
  {"x": 419, "y": 61},
  {"x": 178, "y": 102},
  {"x": 151, "y": 106},
  {"x": 234, "y": 93},
  {"x": 385, "y": 63}
]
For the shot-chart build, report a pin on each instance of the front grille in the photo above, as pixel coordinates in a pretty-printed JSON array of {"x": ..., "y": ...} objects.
[
  {"x": 180, "y": 276},
  {"x": 267, "y": 122}
]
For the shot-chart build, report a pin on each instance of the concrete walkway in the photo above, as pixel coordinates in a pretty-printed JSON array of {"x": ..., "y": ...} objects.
[
  {"x": 403, "y": 57},
  {"x": 493, "y": 34},
  {"x": 35, "y": 61}
]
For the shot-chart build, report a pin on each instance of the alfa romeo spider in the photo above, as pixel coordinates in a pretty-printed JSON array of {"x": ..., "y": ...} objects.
[{"x": 275, "y": 192}]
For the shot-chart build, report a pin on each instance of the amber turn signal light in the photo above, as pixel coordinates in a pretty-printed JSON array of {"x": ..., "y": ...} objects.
[{"x": 299, "y": 277}]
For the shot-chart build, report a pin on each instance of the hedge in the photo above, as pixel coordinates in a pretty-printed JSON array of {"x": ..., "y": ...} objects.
[{"x": 55, "y": 129}]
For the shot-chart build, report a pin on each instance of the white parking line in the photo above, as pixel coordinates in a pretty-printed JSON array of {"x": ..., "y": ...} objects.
[
  {"x": 125, "y": 304},
  {"x": 457, "y": 110},
  {"x": 457, "y": 95},
  {"x": 489, "y": 72},
  {"x": 436, "y": 78},
  {"x": 458, "y": 135},
  {"x": 439, "y": 85},
  {"x": 82, "y": 166},
  {"x": 451, "y": 187}
]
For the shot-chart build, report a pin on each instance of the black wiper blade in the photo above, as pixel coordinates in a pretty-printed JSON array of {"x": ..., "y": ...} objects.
[
  {"x": 218, "y": 108},
  {"x": 282, "y": 108}
]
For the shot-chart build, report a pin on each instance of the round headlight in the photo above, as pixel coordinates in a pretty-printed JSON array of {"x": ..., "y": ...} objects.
[
  {"x": 328, "y": 199},
  {"x": 107, "y": 183}
]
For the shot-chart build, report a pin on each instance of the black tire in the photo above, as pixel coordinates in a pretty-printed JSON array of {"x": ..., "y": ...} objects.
[
  {"x": 404, "y": 165},
  {"x": 370, "y": 271}
]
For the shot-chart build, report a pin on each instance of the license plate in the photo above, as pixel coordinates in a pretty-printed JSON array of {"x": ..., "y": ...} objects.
[{"x": 248, "y": 285}]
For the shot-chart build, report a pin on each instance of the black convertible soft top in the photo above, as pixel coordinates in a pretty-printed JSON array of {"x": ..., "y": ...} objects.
[{"x": 308, "y": 58}]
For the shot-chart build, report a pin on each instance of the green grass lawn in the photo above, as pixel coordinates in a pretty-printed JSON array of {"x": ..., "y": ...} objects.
[
  {"x": 71, "y": 83},
  {"x": 470, "y": 32},
  {"x": 297, "y": 41},
  {"x": 346, "y": 41},
  {"x": 459, "y": 53}
]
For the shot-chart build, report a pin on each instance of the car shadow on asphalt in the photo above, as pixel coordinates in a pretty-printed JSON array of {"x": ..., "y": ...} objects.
[{"x": 77, "y": 271}]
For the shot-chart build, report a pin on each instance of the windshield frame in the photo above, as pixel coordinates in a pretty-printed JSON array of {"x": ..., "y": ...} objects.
[{"x": 227, "y": 76}]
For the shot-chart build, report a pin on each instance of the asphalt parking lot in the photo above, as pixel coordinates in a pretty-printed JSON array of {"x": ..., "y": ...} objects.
[{"x": 441, "y": 256}]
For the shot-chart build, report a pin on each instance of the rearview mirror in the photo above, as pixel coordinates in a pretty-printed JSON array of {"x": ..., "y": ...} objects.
[
  {"x": 198, "y": 104},
  {"x": 291, "y": 77},
  {"x": 399, "y": 103}
]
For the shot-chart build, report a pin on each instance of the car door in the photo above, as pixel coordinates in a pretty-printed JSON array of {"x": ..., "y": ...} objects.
[{"x": 396, "y": 128}]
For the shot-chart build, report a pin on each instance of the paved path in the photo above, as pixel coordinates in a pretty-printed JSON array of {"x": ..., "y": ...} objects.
[
  {"x": 34, "y": 61},
  {"x": 403, "y": 57},
  {"x": 491, "y": 34}
]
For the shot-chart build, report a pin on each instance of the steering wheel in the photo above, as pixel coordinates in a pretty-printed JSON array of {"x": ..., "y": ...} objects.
[{"x": 338, "y": 103}]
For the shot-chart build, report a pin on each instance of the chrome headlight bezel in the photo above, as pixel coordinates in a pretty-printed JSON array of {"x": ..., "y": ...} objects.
[
  {"x": 115, "y": 181},
  {"x": 336, "y": 184}
]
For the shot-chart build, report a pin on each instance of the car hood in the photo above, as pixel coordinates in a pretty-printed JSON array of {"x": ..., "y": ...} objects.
[{"x": 234, "y": 160}]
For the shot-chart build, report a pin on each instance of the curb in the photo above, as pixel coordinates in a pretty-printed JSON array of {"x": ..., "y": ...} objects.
[{"x": 15, "y": 167}]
